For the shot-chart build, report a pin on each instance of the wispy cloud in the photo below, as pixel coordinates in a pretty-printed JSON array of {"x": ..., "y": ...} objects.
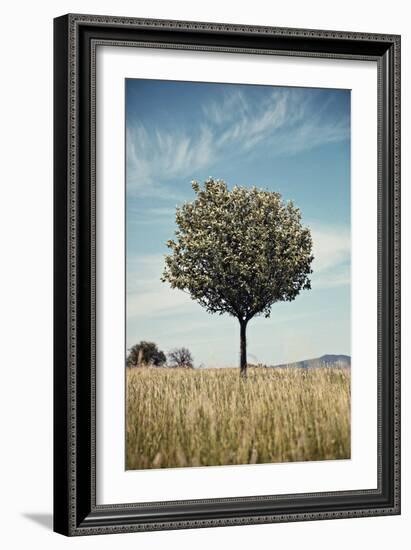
[
  {"x": 286, "y": 121},
  {"x": 147, "y": 296},
  {"x": 158, "y": 156},
  {"x": 332, "y": 253},
  {"x": 145, "y": 215}
]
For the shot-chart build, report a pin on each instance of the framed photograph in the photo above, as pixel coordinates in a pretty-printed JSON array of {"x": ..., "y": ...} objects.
[{"x": 227, "y": 274}]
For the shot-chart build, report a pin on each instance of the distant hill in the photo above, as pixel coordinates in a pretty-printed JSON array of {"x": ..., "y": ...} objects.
[{"x": 341, "y": 361}]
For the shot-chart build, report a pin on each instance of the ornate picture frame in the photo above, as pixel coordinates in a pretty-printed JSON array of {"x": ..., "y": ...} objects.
[{"x": 76, "y": 40}]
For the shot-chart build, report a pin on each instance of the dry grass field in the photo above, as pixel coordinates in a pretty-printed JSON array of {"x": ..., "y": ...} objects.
[{"x": 209, "y": 417}]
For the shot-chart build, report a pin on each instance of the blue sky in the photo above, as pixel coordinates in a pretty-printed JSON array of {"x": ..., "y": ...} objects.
[{"x": 292, "y": 140}]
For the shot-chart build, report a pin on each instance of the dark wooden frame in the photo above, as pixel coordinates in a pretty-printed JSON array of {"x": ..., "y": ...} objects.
[{"x": 76, "y": 38}]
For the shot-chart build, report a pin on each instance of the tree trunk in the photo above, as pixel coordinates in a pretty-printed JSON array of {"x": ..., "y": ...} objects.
[{"x": 243, "y": 349}]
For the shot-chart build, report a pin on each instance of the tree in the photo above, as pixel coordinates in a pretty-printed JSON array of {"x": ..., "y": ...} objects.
[
  {"x": 239, "y": 252},
  {"x": 180, "y": 357},
  {"x": 145, "y": 354}
]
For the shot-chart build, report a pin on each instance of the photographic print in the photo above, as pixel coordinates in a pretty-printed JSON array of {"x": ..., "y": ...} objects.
[{"x": 238, "y": 287}]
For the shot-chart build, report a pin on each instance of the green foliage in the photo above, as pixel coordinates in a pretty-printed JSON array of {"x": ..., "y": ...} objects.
[
  {"x": 145, "y": 354},
  {"x": 239, "y": 251}
]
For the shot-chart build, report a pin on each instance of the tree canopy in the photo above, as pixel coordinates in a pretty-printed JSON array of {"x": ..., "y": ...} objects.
[{"x": 239, "y": 251}]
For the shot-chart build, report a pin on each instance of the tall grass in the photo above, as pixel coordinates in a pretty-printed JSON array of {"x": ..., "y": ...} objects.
[{"x": 179, "y": 417}]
